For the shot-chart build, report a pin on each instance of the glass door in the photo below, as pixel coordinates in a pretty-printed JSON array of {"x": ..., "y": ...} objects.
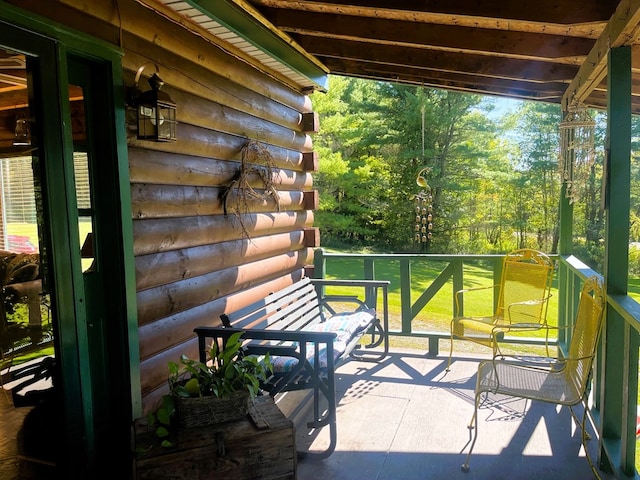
[
  {"x": 27, "y": 334},
  {"x": 67, "y": 282}
]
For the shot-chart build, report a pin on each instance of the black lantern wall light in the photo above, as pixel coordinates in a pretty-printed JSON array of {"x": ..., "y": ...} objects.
[{"x": 155, "y": 110}]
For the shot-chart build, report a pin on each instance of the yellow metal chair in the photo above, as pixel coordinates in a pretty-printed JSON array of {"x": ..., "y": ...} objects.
[
  {"x": 523, "y": 299},
  {"x": 561, "y": 381}
]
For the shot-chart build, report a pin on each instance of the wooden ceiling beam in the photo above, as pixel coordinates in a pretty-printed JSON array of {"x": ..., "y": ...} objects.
[
  {"x": 598, "y": 99},
  {"x": 516, "y": 89},
  {"x": 621, "y": 30},
  {"x": 419, "y": 35},
  {"x": 528, "y": 49},
  {"x": 467, "y": 88},
  {"x": 542, "y": 11},
  {"x": 418, "y": 76},
  {"x": 514, "y": 69}
]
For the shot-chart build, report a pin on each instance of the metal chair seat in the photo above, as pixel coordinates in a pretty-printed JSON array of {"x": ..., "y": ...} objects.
[{"x": 562, "y": 381}]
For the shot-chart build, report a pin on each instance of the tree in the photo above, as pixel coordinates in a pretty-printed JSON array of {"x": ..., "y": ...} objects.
[
  {"x": 536, "y": 127},
  {"x": 493, "y": 180},
  {"x": 353, "y": 175}
]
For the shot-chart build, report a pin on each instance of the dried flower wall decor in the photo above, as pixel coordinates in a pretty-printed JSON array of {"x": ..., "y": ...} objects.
[{"x": 256, "y": 160}]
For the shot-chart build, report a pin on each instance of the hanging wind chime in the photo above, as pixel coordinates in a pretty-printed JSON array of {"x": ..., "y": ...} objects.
[
  {"x": 577, "y": 151},
  {"x": 423, "y": 208}
]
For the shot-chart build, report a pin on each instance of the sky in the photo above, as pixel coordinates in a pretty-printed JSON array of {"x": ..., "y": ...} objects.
[{"x": 502, "y": 106}]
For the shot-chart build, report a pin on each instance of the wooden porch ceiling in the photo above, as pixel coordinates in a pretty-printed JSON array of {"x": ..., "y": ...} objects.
[{"x": 531, "y": 50}]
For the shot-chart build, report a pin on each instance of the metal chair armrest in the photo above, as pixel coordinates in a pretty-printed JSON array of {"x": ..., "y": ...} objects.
[{"x": 460, "y": 293}]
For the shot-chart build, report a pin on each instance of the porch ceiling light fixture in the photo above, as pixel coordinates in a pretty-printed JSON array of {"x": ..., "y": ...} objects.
[
  {"x": 22, "y": 132},
  {"x": 577, "y": 150},
  {"x": 156, "y": 111}
]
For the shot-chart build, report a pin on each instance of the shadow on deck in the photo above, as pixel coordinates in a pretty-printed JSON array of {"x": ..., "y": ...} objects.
[{"x": 406, "y": 418}]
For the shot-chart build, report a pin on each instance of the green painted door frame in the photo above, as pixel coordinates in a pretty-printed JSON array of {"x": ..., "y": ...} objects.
[{"x": 97, "y": 350}]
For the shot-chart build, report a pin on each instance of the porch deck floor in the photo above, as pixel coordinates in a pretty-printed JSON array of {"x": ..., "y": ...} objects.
[{"x": 406, "y": 418}]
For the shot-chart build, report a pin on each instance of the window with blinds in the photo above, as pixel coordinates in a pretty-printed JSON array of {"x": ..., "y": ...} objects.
[{"x": 18, "y": 229}]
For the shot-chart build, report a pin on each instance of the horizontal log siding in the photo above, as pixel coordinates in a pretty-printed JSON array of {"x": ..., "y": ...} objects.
[
  {"x": 158, "y": 269},
  {"x": 158, "y": 302},
  {"x": 153, "y": 369},
  {"x": 149, "y": 166},
  {"x": 162, "y": 201},
  {"x": 192, "y": 262},
  {"x": 176, "y": 188},
  {"x": 115, "y": 22},
  {"x": 158, "y": 235}
]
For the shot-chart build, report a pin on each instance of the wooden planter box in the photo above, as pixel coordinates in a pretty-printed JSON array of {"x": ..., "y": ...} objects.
[{"x": 259, "y": 446}]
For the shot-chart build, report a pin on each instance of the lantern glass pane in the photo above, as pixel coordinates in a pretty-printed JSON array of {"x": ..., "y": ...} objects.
[
  {"x": 166, "y": 122},
  {"x": 146, "y": 122}
]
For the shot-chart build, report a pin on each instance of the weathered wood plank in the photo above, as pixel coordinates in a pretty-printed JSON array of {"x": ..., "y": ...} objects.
[
  {"x": 514, "y": 69},
  {"x": 163, "y": 341},
  {"x": 159, "y": 235},
  {"x": 148, "y": 166},
  {"x": 204, "y": 113},
  {"x": 162, "y": 268},
  {"x": 542, "y": 17},
  {"x": 620, "y": 30},
  {"x": 409, "y": 32},
  {"x": 247, "y": 452},
  {"x": 174, "y": 37},
  {"x": 162, "y": 201},
  {"x": 165, "y": 300},
  {"x": 202, "y": 142}
]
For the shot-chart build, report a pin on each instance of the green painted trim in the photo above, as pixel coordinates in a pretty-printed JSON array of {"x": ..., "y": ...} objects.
[
  {"x": 319, "y": 264},
  {"x": 565, "y": 247},
  {"x": 617, "y": 186},
  {"x": 64, "y": 214},
  {"x": 618, "y": 167},
  {"x": 240, "y": 22},
  {"x": 83, "y": 45},
  {"x": 405, "y": 294},
  {"x": 126, "y": 222},
  {"x": 630, "y": 398}
]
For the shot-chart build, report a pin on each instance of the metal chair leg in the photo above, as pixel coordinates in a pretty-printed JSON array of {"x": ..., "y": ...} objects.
[
  {"x": 473, "y": 425},
  {"x": 450, "y": 349},
  {"x": 585, "y": 437}
]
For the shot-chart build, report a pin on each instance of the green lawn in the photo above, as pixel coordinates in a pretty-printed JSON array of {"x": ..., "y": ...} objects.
[{"x": 436, "y": 316}]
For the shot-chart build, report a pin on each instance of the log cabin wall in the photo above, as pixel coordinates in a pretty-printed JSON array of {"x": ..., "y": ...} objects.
[{"x": 193, "y": 262}]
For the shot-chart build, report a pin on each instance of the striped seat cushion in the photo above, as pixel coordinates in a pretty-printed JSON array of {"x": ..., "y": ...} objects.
[{"x": 345, "y": 325}]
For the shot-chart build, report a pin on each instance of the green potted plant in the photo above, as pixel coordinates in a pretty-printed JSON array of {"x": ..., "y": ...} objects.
[{"x": 213, "y": 392}]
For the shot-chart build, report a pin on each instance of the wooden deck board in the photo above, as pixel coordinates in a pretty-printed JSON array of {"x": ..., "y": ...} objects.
[{"x": 406, "y": 418}]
